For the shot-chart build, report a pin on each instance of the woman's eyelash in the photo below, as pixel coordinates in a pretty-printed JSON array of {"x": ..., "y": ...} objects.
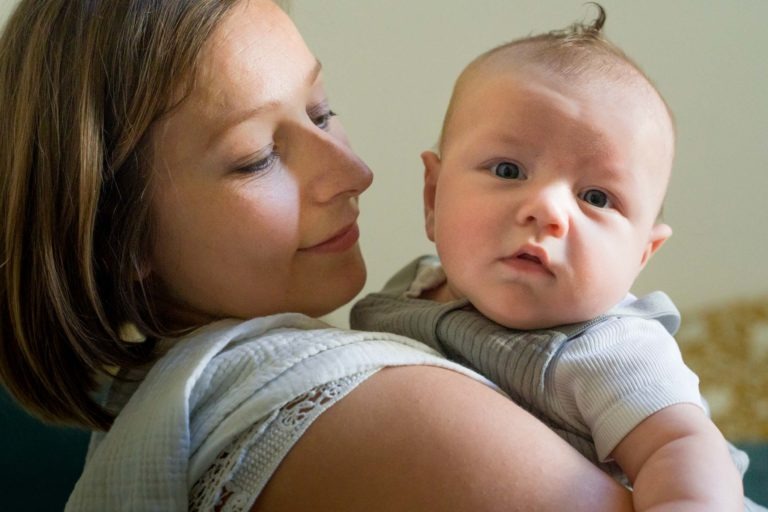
[
  {"x": 321, "y": 116},
  {"x": 260, "y": 166}
]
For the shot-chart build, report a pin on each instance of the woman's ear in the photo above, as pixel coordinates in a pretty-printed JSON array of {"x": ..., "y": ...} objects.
[
  {"x": 431, "y": 173},
  {"x": 659, "y": 234}
]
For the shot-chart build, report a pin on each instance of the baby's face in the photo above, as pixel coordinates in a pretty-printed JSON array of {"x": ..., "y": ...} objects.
[{"x": 543, "y": 204}]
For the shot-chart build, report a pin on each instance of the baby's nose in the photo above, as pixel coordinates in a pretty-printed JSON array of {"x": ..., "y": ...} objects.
[{"x": 547, "y": 208}]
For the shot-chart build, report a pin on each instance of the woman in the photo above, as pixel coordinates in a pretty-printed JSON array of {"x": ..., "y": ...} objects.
[{"x": 170, "y": 170}]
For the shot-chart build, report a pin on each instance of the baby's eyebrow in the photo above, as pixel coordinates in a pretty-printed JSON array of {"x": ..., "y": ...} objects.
[
  {"x": 617, "y": 174},
  {"x": 511, "y": 139}
]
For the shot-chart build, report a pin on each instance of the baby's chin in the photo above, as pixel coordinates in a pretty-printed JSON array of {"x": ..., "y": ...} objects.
[
  {"x": 525, "y": 324},
  {"x": 523, "y": 320}
]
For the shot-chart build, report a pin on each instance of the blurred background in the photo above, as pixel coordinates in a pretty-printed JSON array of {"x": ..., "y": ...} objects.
[{"x": 389, "y": 66}]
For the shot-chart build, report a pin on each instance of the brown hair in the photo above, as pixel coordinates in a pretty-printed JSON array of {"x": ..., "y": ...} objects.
[
  {"x": 81, "y": 82},
  {"x": 580, "y": 50}
]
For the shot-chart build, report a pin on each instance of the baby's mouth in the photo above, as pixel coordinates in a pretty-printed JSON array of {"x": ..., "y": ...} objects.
[{"x": 529, "y": 257}]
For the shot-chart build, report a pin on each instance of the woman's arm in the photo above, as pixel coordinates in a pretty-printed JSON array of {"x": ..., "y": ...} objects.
[{"x": 427, "y": 439}]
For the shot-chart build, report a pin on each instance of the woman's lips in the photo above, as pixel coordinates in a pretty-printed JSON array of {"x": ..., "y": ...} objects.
[{"x": 340, "y": 242}]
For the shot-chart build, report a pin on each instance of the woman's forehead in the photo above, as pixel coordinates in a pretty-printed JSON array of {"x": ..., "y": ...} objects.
[
  {"x": 256, "y": 46},
  {"x": 255, "y": 58}
]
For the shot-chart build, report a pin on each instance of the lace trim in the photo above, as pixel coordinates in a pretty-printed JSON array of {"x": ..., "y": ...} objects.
[
  {"x": 209, "y": 492},
  {"x": 238, "y": 475}
]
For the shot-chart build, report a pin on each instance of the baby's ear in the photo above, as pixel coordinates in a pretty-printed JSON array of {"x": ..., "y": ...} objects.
[
  {"x": 659, "y": 234},
  {"x": 431, "y": 173}
]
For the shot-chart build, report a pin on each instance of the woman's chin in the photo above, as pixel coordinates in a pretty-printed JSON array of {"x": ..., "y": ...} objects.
[{"x": 337, "y": 293}]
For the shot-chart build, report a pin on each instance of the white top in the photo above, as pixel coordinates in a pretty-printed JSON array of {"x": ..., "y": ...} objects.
[{"x": 225, "y": 383}]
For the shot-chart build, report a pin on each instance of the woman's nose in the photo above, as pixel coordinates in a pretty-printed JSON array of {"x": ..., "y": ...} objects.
[
  {"x": 332, "y": 168},
  {"x": 547, "y": 209}
]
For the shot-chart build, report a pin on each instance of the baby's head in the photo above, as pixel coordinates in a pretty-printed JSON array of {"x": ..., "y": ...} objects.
[{"x": 545, "y": 197}]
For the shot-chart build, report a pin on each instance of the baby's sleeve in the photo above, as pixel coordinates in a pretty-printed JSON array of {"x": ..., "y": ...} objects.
[{"x": 619, "y": 373}]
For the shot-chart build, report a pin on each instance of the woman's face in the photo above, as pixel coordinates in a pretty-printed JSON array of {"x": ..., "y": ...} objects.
[{"x": 255, "y": 188}]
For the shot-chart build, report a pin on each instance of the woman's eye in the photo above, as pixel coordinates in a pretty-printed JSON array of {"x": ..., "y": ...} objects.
[
  {"x": 260, "y": 166},
  {"x": 597, "y": 198},
  {"x": 322, "y": 120},
  {"x": 508, "y": 171}
]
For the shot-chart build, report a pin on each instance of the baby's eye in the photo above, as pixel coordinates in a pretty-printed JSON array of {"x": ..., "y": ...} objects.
[
  {"x": 597, "y": 198},
  {"x": 508, "y": 171}
]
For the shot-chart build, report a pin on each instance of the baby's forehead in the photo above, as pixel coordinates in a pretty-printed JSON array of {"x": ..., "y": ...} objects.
[
  {"x": 537, "y": 100},
  {"x": 619, "y": 86},
  {"x": 603, "y": 74},
  {"x": 584, "y": 60}
]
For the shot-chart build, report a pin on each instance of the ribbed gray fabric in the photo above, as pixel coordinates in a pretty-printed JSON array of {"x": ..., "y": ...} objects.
[
  {"x": 518, "y": 365},
  {"x": 520, "y": 362}
]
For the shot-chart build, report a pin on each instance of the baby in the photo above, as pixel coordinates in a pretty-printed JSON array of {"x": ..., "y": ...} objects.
[{"x": 543, "y": 203}]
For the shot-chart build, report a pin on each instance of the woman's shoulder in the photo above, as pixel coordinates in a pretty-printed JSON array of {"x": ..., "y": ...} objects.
[{"x": 428, "y": 438}]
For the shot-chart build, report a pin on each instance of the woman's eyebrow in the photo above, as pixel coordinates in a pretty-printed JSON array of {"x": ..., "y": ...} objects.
[{"x": 243, "y": 115}]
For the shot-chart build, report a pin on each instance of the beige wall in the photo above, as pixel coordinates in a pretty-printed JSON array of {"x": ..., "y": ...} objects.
[
  {"x": 390, "y": 65},
  {"x": 5, "y": 8}
]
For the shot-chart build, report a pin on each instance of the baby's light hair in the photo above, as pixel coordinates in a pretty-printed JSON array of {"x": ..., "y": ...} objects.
[{"x": 578, "y": 52}]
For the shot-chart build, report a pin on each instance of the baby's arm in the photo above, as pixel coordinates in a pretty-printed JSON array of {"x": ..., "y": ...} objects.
[{"x": 677, "y": 460}]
